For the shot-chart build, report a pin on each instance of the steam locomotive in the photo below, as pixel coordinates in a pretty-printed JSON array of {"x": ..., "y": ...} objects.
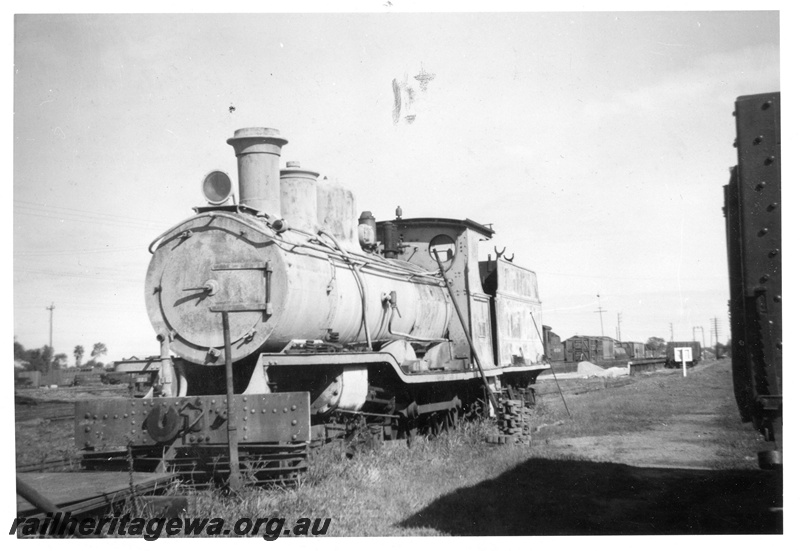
[
  {"x": 285, "y": 318},
  {"x": 753, "y": 227}
]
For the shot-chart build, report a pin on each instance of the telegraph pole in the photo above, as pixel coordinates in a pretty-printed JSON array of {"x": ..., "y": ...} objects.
[
  {"x": 716, "y": 337},
  {"x": 619, "y": 324},
  {"x": 51, "y": 308},
  {"x": 600, "y": 311},
  {"x": 671, "y": 334},
  {"x": 703, "y": 336}
]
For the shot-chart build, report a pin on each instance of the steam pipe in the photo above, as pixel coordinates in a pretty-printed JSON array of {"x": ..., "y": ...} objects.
[{"x": 489, "y": 391}]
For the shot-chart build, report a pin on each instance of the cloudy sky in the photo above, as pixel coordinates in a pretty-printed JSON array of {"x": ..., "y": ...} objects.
[{"x": 597, "y": 145}]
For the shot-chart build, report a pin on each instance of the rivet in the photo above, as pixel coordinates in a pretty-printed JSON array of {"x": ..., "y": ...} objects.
[
  {"x": 116, "y": 416},
  {"x": 213, "y": 401},
  {"x": 758, "y": 140},
  {"x": 125, "y": 416},
  {"x": 244, "y": 428},
  {"x": 88, "y": 429},
  {"x": 774, "y": 252},
  {"x": 294, "y": 437},
  {"x": 294, "y": 421},
  {"x": 245, "y": 418},
  {"x": 776, "y": 298},
  {"x": 274, "y": 410},
  {"x": 772, "y": 206},
  {"x": 763, "y": 231},
  {"x": 769, "y": 160},
  {"x": 764, "y": 278},
  {"x": 760, "y": 186},
  {"x": 208, "y": 438},
  {"x": 252, "y": 411},
  {"x": 263, "y": 411},
  {"x": 244, "y": 437},
  {"x": 294, "y": 408},
  {"x": 244, "y": 398},
  {"x": 766, "y": 105},
  {"x": 285, "y": 410},
  {"x": 88, "y": 415},
  {"x": 133, "y": 421}
]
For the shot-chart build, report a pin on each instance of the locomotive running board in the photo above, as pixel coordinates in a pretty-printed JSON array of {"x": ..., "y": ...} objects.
[{"x": 363, "y": 358}]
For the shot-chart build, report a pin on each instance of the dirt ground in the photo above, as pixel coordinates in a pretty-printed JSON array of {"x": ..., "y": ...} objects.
[
  {"x": 655, "y": 454},
  {"x": 698, "y": 425}
]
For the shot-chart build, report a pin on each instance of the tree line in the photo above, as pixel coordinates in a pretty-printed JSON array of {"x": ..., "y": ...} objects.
[{"x": 43, "y": 359}]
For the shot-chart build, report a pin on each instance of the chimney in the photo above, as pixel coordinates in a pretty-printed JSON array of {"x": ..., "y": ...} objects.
[{"x": 258, "y": 152}]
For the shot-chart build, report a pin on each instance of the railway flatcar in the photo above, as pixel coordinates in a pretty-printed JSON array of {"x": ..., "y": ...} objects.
[
  {"x": 753, "y": 227},
  {"x": 285, "y": 318}
]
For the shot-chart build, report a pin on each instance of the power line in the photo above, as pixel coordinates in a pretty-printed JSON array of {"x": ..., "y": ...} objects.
[
  {"x": 94, "y": 214},
  {"x": 113, "y": 250}
]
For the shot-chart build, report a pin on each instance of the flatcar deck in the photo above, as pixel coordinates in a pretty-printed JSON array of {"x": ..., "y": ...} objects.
[{"x": 83, "y": 492}]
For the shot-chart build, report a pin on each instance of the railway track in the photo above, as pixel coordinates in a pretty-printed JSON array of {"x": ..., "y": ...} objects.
[
  {"x": 50, "y": 411},
  {"x": 49, "y": 465}
]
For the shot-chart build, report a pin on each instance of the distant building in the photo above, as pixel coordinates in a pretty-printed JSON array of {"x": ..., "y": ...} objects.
[
  {"x": 635, "y": 350},
  {"x": 583, "y": 348}
]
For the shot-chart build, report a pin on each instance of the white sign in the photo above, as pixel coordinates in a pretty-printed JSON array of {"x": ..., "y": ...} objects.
[{"x": 683, "y": 354}]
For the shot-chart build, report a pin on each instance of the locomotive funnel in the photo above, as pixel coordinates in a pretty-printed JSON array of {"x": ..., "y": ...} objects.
[{"x": 258, "y": 152}]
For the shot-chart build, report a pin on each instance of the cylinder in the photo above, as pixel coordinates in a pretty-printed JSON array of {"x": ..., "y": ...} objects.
[
  {"x": 258, "y": 154},
  {"x": 299, "y": 197}
]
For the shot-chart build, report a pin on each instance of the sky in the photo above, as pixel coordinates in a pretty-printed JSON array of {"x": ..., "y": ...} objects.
[{"x": 596, "y": 144}]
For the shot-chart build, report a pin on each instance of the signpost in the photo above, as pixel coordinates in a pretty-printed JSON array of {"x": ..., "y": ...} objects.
[{"x": 683, "y": 355}]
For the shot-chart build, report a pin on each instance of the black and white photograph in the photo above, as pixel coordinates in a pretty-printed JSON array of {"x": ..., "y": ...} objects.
[{"x": 396, "y": 269}]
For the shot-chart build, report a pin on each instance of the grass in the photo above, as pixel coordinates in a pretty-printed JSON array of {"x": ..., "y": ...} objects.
[{"x": 373, "y": 493}]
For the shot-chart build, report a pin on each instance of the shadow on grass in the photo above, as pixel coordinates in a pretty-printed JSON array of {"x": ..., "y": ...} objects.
[{"x": 568, "y": 497}]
